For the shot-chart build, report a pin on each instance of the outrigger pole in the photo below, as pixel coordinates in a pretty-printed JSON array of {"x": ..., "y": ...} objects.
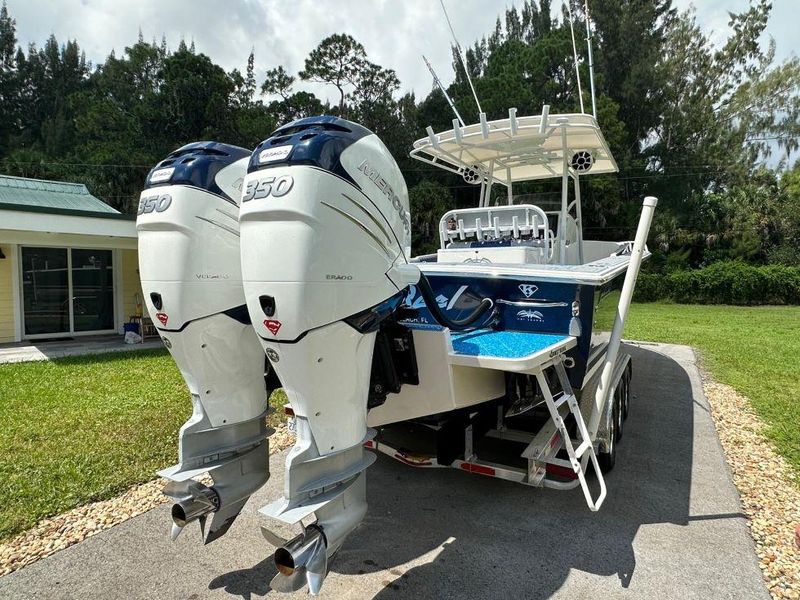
[
  {"x": 575, "y": 53},
  {"x": 460, "y": 53},
  {"x": 591, "y": 59},
  {"x": 441, "y": 87}
]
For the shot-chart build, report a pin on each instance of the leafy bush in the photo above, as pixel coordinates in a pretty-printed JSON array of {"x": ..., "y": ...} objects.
[{"x": 723, "y": 283}]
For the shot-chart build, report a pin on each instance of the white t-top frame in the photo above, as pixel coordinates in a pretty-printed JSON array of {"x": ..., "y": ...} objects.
[{"x": 518, "y": 149}]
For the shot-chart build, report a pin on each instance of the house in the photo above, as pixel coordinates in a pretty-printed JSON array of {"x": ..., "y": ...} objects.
[{"x": 68, "y": 262}]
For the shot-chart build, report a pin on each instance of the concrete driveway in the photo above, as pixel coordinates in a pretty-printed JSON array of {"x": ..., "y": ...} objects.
[{"x": 671, "y": 527}]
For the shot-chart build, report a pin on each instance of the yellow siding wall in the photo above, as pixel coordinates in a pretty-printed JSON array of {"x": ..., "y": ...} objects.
[
  {"x": 6, "y": 299},
  {"x": 130, "y": 283}
]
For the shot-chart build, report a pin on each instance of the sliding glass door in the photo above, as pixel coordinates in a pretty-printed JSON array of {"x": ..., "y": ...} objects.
[
  {"x": 45, "y": 290},
  {"x": 92, "y": 290},
  {"x": 67, "y": 290}
]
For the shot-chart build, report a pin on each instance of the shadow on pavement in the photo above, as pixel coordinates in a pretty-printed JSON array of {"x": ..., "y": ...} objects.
[{"x": 474, "y": 537}]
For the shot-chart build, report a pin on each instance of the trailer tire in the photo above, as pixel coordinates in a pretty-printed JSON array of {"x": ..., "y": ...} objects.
[
  {"x": 619, "y": 406},
  {"x": 606, "y": 460},
  {"x": 626, "y": 398}
]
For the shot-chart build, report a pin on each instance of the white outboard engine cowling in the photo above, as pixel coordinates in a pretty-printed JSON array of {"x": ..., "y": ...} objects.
[
  {"x": 325, "y": 243},
  {"x": 191, "y": 278}
]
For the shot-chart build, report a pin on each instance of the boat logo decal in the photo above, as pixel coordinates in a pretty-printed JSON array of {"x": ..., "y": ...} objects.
[
  {"x": 478, "y": 260},
  {"x": 274, "y": 154},
  {"x": 162, "y": 317},
  {"x": 415, "y": 301},
  {"x": 528, "y": 289},
  {"x": 272, "y": 325},
  {"x": 148, "y": 204},
  {"x": 530, "y": 315}
]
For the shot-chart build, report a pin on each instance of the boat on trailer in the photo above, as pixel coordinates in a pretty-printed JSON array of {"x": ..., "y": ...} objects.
[
  {"x": 539, "y": 389},
  {"x": 497, "y": 355}
]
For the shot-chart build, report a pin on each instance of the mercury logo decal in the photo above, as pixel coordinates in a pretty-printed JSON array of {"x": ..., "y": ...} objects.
[
  {"x": 528, "y": 289},
  {"x": 272, "y": 325},
  {"x": 387, "y": 190}
]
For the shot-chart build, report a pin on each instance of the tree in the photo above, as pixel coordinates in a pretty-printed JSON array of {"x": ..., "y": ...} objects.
[
  {"x": 8, "y": 39},
  {"x": 723, "y": 106},
  {"x": 429, "y": 201},
  {"x": 278, "y": 82},
  {"x": 337, "y": 60},
  {"x": 297, "y": 106},
  {"x": 9, "y": 107},
  {"x": 244, "y": 86}
]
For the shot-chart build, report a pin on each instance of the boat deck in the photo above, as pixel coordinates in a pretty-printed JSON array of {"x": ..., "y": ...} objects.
[{"x": 518, "y": 351}]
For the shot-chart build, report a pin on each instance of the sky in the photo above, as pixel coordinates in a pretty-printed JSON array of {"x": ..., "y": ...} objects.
[{"x": 282, "y": 32}]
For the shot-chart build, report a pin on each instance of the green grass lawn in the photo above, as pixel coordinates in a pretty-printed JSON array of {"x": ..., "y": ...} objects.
[
  {"x": 80, "y": 429},
  {"x": 756, "y": 350}
]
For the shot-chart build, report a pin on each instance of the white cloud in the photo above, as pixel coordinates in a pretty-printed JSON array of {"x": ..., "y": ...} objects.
[{"x": 395, "y": 33}]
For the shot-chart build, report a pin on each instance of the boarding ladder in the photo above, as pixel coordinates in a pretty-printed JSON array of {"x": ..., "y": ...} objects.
[
  {"x": 578, "y": 456},
  {"x": 534, "y": 353}
]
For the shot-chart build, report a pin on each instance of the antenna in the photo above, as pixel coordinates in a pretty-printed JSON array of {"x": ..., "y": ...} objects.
[
  {"x": 591, "y": 60},
  {"x": 460, "y": 53},
  {"x": 441, "y": 87},
  {"x": 575, "y": 53}
]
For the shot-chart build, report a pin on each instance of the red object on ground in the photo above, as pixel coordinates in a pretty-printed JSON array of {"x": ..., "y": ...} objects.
[{"x": 797, "y": 536}]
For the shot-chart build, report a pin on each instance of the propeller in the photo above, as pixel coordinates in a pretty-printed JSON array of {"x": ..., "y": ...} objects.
[{"x": 301, "y": 560}]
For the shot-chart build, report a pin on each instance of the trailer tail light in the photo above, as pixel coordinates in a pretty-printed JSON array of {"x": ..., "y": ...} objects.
[
  {"x": 481, "y": 469},
  {"x": 560, "y": 471}
]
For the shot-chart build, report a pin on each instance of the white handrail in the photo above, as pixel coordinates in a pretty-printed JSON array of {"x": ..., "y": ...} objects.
[{"x": 639, "y": 245}]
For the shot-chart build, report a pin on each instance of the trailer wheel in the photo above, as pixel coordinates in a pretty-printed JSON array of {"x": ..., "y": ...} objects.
[
  {"x": 626, "y": 398},
  {"x": 619, "y": 406},
  {"x": 607, "y": 459}
]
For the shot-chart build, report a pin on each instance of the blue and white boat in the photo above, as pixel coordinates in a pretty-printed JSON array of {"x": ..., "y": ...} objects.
[{"x": 540, "y": 371}]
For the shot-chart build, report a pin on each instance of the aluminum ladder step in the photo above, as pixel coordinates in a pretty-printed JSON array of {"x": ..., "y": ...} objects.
[{"x": 578, "y": 457}]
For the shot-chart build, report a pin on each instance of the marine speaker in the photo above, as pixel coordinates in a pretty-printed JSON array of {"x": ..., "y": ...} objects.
[
  {"x": 582, "y": 161},
  {"x": 472, "y": 174}
]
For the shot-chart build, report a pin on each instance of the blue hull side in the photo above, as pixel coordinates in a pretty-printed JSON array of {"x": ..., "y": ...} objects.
[{"x": 458, "y": 296}]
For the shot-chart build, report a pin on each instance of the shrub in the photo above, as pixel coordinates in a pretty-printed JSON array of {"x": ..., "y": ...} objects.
[{"x": 723, "y": 283}]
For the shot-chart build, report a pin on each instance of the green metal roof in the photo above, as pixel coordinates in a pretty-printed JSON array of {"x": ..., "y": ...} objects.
[{"x": 60, "y": 197}]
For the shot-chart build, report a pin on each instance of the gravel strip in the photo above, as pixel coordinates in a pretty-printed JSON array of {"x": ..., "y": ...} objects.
[
  {"x": 59, "y": 532},
  {"x": 767, "y": 485}
]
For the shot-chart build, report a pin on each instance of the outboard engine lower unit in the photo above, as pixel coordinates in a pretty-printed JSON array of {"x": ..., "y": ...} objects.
[{"x": 191, "y": 277}]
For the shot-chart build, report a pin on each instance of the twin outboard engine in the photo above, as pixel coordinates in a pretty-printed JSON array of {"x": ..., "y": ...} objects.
[
  {"x": 188, "y": 226},
  {"x": 325, "y": 244}
]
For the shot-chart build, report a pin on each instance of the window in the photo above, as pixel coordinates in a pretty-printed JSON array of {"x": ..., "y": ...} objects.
[{"x": 67, "y": 290}]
